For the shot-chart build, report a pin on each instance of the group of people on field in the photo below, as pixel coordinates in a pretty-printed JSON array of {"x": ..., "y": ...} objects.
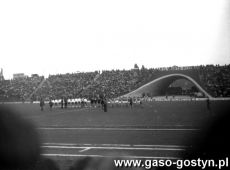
[{"x": 64, "y": 102}]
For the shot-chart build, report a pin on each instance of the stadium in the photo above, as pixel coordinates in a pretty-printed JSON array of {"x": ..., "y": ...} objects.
[
  {"x": 150, "y": 113},
  {"x": 105, "y": 85}
]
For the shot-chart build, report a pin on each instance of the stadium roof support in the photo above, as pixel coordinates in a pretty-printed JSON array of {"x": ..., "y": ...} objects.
[{"x": 158, "y": 86}]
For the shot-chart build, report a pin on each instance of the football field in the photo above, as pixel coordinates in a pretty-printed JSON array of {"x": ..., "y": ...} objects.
[{"x": 154, "y": 130}]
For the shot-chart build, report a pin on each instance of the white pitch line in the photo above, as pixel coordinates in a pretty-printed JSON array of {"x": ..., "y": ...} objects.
[
  {"x": 166, "y": 146},
  {"x": 113, "y": 148},
  {"x": 67, "y": 111},
  {"x": 119, "y": 129},
  {"x": 125, "y": 145},
  {"x": 108, "y": 156},
  {"x": 80, "y": 144},
  {"x": 112, "y": 145},
  {"x": 134, "y": 126},
  {"x": 86, "y": 149}
]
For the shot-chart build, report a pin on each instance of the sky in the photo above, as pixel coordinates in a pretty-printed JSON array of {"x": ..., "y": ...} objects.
[{"x": 63, "y": 36}]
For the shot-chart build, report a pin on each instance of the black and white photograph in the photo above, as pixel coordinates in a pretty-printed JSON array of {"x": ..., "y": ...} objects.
[{"x": 105, "y": 85}]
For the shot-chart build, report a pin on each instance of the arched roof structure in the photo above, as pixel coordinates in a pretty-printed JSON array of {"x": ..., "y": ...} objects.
[{"x": 158, "y": 86}]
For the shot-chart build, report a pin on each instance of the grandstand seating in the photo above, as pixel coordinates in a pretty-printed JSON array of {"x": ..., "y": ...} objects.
[
  {"x": 214, "y": 78},
  {"x": 18, "y": 89}
]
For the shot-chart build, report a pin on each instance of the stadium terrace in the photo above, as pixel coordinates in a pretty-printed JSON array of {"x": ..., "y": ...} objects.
[{"x": 215, "y": 79}]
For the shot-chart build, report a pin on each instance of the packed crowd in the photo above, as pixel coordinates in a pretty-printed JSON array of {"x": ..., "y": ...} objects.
[
  {"x": 65, "y": 85},
  {"x": 19, "y": 89},
  {"x": 113, "y": 83},
  {"x": 217, "y": 79}
]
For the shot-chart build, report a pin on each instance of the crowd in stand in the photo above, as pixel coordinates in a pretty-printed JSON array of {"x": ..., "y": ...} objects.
[
  {"x": 65, "y": 85},
  {"x": 19, "y": 89},
  {"x": 213, "y": 78},
  {"x": 217, "y": 79}
]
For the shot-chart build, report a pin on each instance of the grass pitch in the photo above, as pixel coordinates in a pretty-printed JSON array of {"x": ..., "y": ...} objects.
[{"x": 155, "y": 115}]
